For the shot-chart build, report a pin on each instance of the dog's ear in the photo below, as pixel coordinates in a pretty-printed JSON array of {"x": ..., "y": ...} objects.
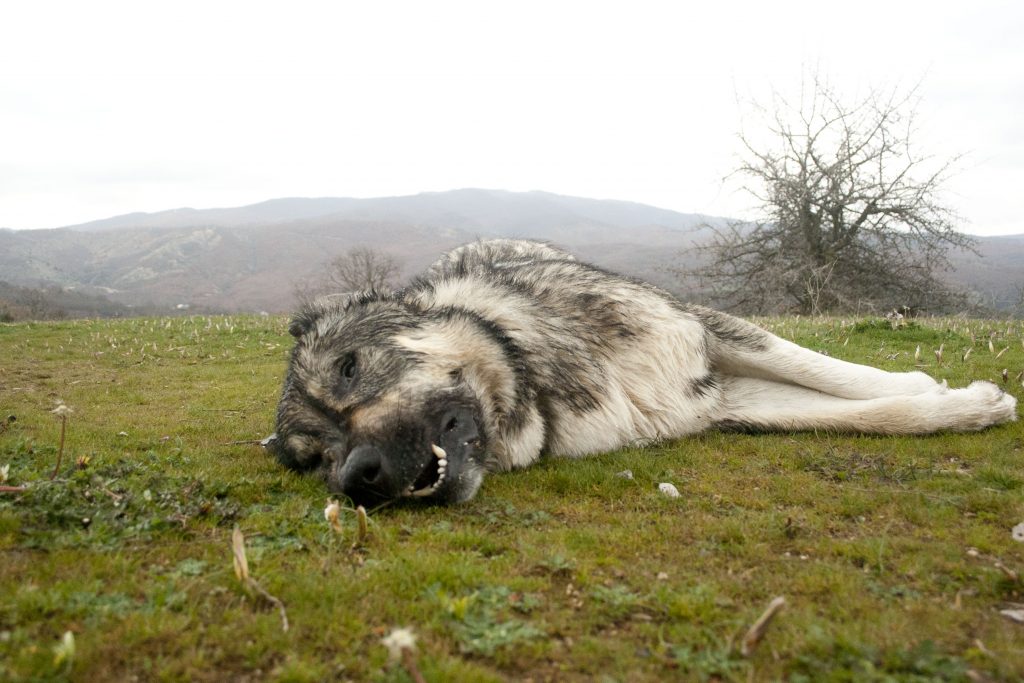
[
  {"x": 311, "y": 311},
  {"x": 301, "y": 321}
]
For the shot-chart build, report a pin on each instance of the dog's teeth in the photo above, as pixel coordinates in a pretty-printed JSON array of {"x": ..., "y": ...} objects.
[
  {"x": 442, "y": 463},
  {"x": 438, "y": 451},
  {"x": 424, "y": 492}
]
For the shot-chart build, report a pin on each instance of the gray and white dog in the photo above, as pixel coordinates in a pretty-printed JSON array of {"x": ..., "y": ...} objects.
[{"x": 508, "y": 349}]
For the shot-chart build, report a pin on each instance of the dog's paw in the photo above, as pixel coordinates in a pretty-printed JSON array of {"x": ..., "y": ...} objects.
[
  {"x": 912, "y": 384},
  {"x": 999, "y": 405},
  {"x": 939, "y": 388},
  {"x": 980, "y": 405}
]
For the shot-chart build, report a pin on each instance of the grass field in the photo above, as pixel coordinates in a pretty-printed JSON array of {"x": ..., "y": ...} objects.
[{"x": 895, "y": 555}]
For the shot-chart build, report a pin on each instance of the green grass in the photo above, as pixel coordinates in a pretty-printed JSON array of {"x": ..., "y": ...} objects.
[{"x": 885, "y": 548}]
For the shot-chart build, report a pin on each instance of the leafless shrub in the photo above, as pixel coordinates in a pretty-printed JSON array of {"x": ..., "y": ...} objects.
[
  {"x": 358, "y": 269},
  {"x": 851, "y": 213}
]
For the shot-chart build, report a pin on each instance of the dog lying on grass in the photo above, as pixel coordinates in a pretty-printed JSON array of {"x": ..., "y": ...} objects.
[{"x": 508, "y": 349}]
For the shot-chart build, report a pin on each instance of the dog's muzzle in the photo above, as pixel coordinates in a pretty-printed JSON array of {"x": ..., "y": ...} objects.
[{"x": 377, "y": 471}]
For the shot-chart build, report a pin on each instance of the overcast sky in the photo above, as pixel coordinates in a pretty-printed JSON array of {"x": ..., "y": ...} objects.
[{"x": 108, "y": 107}]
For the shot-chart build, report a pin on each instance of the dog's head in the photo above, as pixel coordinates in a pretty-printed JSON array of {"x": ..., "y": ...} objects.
[{"x": 387, "y": 400}]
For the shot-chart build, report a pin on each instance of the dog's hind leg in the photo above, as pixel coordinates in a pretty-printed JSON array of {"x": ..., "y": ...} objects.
[
  {"x": 741, "y": 349},
  {"x": 759, "y": 404},
  {"x": 784, "y": 361}
]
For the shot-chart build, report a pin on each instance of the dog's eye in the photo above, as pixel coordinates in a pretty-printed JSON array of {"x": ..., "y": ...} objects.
[{"x": 348, "y": 371}]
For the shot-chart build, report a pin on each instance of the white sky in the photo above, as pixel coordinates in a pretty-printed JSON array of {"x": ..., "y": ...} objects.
[{"x": 113, "y": 107}]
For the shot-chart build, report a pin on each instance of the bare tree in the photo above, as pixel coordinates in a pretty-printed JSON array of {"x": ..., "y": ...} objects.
[
  {"x": 359, "y": 268},
  {"x": 362, "y": 268},
  {"x": 40, "y": 303},
  {"x": 851, "y": 216}
]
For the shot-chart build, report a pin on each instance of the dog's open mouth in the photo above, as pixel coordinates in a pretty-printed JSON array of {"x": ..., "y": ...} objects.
[{"x": 432, "y": 477}]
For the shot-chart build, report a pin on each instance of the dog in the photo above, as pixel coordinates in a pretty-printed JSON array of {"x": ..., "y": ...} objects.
[{"x": 507, "y": 349}]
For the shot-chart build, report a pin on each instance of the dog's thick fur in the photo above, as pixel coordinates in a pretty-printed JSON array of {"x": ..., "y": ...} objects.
[{"x": 509, "y": 349}]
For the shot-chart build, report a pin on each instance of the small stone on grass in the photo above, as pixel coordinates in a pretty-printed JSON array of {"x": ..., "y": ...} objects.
[{"x": 669, "y": 490}]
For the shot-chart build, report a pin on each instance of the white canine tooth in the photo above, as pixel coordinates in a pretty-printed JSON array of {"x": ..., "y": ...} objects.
[
  {"x": 438, "y": 451},
  {"x": 423, "y": 492}
]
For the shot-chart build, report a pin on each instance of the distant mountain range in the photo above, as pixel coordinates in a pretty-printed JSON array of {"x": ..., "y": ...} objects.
[{"x": 251, "y": 258}]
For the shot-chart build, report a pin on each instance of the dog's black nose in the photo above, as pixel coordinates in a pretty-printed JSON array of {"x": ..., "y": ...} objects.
[{"x": 365, "y": 475}]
